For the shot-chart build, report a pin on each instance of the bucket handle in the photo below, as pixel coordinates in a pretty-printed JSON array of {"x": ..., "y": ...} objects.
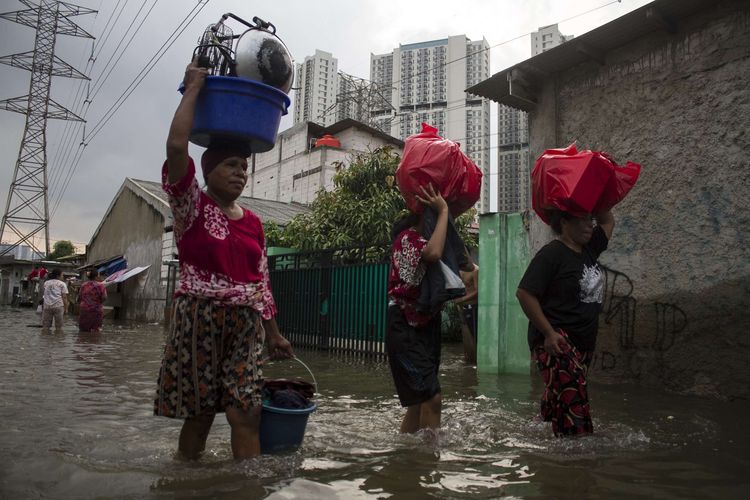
[{"x": 295, "y": 358}]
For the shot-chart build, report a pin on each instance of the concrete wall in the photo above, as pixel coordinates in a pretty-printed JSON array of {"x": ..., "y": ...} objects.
[
  {"x": 678, "y": 296},
  {"x": 10, "y": 280},
  {"x": 275, "y": 171},
  {"x": 134, "y": 229}
]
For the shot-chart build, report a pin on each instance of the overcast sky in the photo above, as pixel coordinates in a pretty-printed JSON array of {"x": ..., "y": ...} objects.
[{"x": 132, "y": 143}]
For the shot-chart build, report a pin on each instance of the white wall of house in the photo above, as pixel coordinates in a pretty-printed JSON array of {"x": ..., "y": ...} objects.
[{"x": 294, "y": 172}]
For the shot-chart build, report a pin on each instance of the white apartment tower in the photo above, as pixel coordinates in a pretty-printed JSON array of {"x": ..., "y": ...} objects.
[
  {"x": 547, "y": 37},
  {"x": 513, "y": 161},
  {"x": 425, "y": 82},
  {"x": 317, "y": 87}
]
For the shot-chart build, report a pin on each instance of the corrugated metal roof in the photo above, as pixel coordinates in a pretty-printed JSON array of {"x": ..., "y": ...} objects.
[
  {"x": 268, "y": 210},
  {"x": 660, "y": 14}
]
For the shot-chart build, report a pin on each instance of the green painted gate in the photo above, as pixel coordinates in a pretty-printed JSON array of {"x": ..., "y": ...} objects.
[{"x": 332, "y": 300}]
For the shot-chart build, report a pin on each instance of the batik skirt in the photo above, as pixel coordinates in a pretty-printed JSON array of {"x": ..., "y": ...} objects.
[
  {"x": 212, "y": 359},
  {"x": 565, "y": 401}
]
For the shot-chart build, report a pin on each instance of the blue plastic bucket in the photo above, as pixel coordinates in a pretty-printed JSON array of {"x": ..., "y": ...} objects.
[
  {"x": 282, "y": 429},
  {"x": 231, "y": 108}
]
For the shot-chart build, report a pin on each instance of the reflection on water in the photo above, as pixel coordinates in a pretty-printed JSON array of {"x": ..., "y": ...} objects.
[{"x": 76, "y": 413}]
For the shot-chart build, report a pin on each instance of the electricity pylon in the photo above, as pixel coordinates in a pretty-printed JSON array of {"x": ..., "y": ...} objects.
[
  {"x": 361, "y": 100},
  {"x": 26, "y": 209}
]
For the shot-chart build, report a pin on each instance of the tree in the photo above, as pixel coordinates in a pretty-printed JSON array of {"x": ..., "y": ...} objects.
[
  {"x": 274, "y": 234},
  {"x": 62, "y": 248},
  {"x": 360, "y": 210}
]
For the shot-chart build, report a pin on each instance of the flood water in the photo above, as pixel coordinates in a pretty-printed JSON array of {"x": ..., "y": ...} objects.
[{"x": 77, "y": 423}]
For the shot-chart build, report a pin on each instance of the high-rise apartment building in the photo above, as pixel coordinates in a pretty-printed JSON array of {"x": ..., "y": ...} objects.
[
  {"x": 513, "y": 161},
  {"x": 547, "y": 37},
  {"x": 317, "y": 87},
  {"x": 425, "y": 82},
  {"x": 326, "y": 95}
]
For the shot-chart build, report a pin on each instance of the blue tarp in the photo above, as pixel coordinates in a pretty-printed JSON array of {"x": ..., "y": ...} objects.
[{"x": 113, "y": 266}]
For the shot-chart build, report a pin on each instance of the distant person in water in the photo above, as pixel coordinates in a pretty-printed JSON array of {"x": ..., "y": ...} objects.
[
  {"x": 91, "y": 297},
  {"x": 224, "y": 310},
  {"x": 561, "y": 293},
  {"x": 55, "y": 299},
  {"x": 413, "y": 337}
]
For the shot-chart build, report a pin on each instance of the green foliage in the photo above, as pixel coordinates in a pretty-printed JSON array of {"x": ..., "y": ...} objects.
[
  {"x": 463, "y": 223},
  {"x": 358, "y": 212},
  {"x": 62, "y": 248},
  {"x": 361, "y": 209},
  {"x": 274, "y": 234}
]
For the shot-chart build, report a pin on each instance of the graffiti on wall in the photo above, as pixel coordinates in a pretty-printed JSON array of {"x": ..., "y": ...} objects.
[{"x": 619, "y": 312}]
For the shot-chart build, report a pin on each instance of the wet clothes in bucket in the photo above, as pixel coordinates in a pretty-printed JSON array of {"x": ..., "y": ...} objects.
[
  {"x": 413, "y": 356},
  {"x": 288, "y": 393},
  {"x": 565, "y": 400},
  {"x": 212, "y": 359}
]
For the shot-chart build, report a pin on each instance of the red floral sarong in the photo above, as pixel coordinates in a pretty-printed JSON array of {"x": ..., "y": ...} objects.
[{"x": 565, "y": 401}]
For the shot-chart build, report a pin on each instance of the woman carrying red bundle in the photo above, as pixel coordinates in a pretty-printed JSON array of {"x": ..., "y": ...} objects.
[
  {"x": 561, "y": 293},
  {"x": 413, "y": 337}
]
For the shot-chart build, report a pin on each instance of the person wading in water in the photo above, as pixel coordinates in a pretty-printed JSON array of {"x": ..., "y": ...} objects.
[{"x": 224, "y": 309}]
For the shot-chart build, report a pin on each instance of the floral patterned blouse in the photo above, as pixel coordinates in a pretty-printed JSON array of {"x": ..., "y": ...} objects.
[
  {"x": 405, "y": 275},
  {"x": 220, "y": 258}
]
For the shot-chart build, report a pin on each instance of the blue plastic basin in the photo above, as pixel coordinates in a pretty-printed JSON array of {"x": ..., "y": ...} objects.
[
  {"x": 282, "y": 429},
  {"x": 238, "y": 110}
]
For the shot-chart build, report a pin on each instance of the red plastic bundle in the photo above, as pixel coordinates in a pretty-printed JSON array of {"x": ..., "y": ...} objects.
[
  {"x": 430, "y": 159},
  {"x": 580, "y": 183}
]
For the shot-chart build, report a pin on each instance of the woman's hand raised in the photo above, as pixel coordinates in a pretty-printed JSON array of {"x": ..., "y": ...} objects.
[{"x": 432, "y": 199}]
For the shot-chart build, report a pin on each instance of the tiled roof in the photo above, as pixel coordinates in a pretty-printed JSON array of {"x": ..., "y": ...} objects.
[{"x": 268, "y": 210}]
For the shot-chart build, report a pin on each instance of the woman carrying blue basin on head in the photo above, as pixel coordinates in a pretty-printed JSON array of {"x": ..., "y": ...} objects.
[{"x": 223, "y": 308}]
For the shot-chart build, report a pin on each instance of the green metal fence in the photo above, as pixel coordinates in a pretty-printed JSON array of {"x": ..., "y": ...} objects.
[{"x": 332, "y": 300}]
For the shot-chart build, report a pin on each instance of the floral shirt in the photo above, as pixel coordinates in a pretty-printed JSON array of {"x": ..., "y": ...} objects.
[
  {"x": 405, "y": 275},
  {"x": 92, "y": 295},
  {"x": 220, "y": 259}
]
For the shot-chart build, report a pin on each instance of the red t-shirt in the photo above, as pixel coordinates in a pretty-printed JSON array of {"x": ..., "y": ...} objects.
[{"x": 220, "y": 258}]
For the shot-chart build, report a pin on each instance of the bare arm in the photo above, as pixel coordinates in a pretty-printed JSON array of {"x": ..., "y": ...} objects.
[
  {"x": 533, "y": 310},
  {"x": 433, "y": 251},
  {"x": 607, "y": 222},
  {"x": 471, "y": 283},
  {"x": 179, "y": 131}
]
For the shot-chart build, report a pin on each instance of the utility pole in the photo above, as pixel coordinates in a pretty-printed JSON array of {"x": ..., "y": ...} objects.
[{"x": 26, "y": 209}]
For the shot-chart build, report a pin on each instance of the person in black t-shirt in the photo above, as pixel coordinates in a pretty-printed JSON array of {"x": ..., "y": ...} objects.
[{"x": 561, "y": 293}]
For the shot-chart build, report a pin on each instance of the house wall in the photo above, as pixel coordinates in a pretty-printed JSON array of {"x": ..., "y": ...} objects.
[
  {"x": 134, "y": 229},
  {"x": 678, "y": 291},
  {"x": 10, "y": 280},
  {"x": 275, "y": 171}
]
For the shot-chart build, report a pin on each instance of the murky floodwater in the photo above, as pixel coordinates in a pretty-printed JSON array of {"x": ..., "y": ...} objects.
[{"x": 76, "y": 422}]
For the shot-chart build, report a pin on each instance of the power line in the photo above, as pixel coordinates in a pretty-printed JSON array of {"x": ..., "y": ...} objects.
[
  {"x": 69, "y": 138},
  {"x": 81, "y": 146},
  {"x": 112, "y": 65},
  {"x": 107, "y": 32},
  {"x": 107, "y": 116},
  {"x": 66, "y": 142},
  {"x": 395, "y": 86},
  {"x": 142, "y": 74},
  {"x": 81, "y": 83},
  {"x": 100, "y": 83}
]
